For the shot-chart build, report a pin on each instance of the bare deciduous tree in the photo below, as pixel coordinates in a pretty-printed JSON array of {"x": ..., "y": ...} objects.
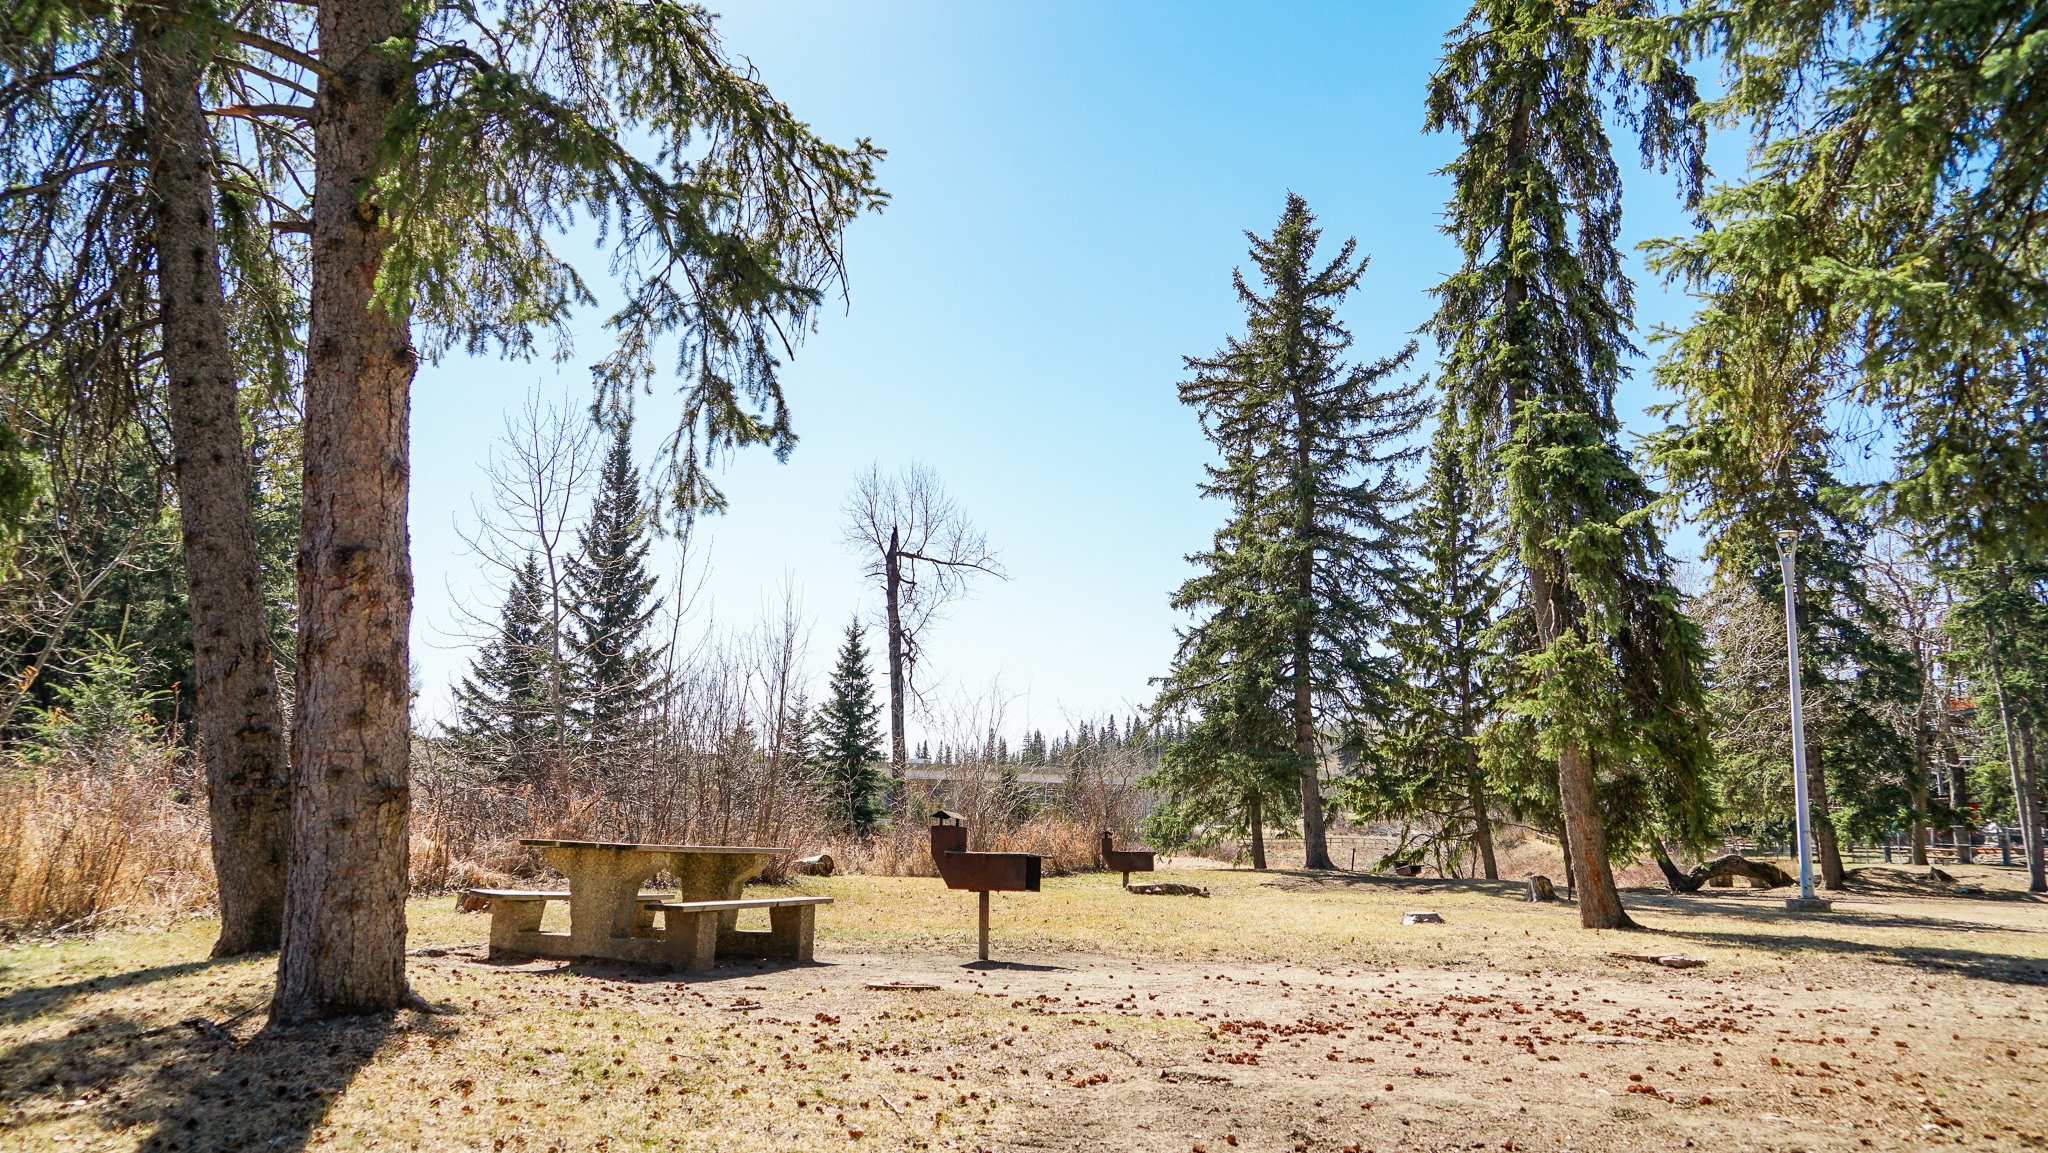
[
  {"x": 537, "y": 474},
  {"x": 921, "y": 551}
]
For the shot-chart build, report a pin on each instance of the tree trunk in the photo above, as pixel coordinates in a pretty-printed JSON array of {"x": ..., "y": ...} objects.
[
  {"x": 1482, "y": 826},
  {"x": 1599, "y": 898},
  {"x": 344, "y": 929},
  {"x": 1578, "y": 793},
  {"x": 1762, "y": 872},
  {"x": 1564, "y": 845},
  {"x": 2029, "y": 786},
  {"x": 892, "y": 586},
  {"x": 1256, "y": 815},
  {"x": 1827, "y": 845},
  {"x": 1315, "y": 851},
  {"x": 1916, "y": 786},
  {"x": 241, "y": 731},
  {"x": 2023, "y": 795}
]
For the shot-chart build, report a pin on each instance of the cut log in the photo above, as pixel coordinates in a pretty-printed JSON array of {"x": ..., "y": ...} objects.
[
  {"x": 1761, "y": 874},
  {"x": 1541, "y": 891},
  {"x": 818, "y": 866}
]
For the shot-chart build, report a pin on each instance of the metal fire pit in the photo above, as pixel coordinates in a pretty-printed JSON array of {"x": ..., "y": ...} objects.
[
  {"x": 1125, "y": 861},
  {"x": 981, "y": 873}
]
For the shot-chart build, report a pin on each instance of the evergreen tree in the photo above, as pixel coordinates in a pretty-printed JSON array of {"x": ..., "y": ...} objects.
[
  {"x": 847, "y": 745},
  {"x": 1533, "y": 327},
  {"x": 1301, "y": 582},
  {"x": 610, "y": 602},
  {"x": 1424, "y": 761},
  {"x": 502, "y": 708}
]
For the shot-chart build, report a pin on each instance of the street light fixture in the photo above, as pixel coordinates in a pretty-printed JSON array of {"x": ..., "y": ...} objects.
[{"x": 1806, "y": 901}]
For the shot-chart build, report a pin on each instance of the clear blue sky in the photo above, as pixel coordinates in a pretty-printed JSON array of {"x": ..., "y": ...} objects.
[{"x": 1071, "y": 182}]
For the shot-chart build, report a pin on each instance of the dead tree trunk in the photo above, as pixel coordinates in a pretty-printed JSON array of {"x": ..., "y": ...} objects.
[
  {"x": 241, "y": 730},
  {"x": 1732, "y": 865},
  {"x": 344, "y": 930},
  {"x": 892, "y": 585}
]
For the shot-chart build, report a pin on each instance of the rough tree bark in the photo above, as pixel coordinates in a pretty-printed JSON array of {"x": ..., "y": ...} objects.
[
  {"x": 241, "y": 730},
  {"x": 344, "y": 930}
]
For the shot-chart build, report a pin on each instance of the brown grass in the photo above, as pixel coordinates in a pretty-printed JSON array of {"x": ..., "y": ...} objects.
[{"x": 86, "y": 841}]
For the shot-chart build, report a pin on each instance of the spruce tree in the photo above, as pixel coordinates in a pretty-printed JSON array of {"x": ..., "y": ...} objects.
[
  {"x": 847, "y": 741},
  {"x": 1533, "y": 327},
  {"x": 1301, "y": 583},
  {"x": 610, "y": 602},
  {"x": 1424, "y": 761},
  {"x": 502, "y": 711}
]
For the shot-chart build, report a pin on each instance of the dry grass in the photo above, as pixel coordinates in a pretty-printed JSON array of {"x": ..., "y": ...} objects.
[
  {"x": 1290, "y": 1010},
  {"x": 102, "y": 841}
]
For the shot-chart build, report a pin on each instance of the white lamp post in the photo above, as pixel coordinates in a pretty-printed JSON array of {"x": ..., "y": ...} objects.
[{"x": 1805, "y": 902}]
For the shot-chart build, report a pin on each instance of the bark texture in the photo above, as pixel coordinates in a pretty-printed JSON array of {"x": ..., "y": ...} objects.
[
  {"x": 241, "y": 730},
  {"x": 344, "y": 932}
]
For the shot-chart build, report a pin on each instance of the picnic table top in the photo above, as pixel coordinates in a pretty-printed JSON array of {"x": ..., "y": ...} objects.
[{"x": 633, "y": 848}]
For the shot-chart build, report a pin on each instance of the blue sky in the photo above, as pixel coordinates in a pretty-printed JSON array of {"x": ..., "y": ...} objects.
[{"x": 1071, "y": 183}]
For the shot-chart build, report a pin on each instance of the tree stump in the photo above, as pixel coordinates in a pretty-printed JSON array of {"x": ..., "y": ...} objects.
[{"x": 1541, "y": 891}]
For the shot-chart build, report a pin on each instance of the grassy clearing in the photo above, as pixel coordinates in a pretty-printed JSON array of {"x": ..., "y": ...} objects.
[{"x": 1287, "y": 1012}]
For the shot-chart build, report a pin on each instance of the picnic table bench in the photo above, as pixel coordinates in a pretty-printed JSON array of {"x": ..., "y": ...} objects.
[{"x": 611, "y": 918}]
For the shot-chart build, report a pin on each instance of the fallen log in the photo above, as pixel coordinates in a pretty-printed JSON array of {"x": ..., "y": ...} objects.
[
  {"x": 1761, "y": 874},
  {"x": 1166, "y": 889},
  {"x": 818, "y": 866}
]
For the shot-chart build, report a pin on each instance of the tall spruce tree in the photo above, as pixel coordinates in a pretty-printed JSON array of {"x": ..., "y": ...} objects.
[
  {"x": 1884, "y": 253},
  {"x": 1424, "y": 761},
  {"x": 502, "y": 705},
  {"x": 1303, "y": 580},
  {"x": 1533, "y": 327},
  {"x": 846, "y": 742},
  {"x": 610, "y": 595}
]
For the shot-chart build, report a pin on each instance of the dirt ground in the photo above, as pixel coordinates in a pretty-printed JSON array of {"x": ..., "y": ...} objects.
[{"x": 1290, "y": 1011}]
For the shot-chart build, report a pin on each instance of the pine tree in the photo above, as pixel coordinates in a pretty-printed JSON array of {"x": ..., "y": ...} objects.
[
  {"x": 1301, "y": 582},
  {"x": 1424, "y": 761},
  {"x": 1533, "y": 328},
  {"x": 847, "y": 745},
  {"x": 502, "y": 711},
  {"x": 610, "y": 602}
]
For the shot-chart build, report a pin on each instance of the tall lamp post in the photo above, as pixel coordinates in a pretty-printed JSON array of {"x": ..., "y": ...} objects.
[{"x": 1806, "y": 901}]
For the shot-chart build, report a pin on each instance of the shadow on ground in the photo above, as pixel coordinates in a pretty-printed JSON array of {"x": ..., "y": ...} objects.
[
  {"x": 1975, "y": 964},
  {"x": 37, "y": 1000},
  {"x": 192, "y": 1086}
]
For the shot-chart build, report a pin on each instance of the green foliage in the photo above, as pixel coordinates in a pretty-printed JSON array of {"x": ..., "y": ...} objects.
[
  {"x": 609, "y": 591},
  {"x": 107, "y": 710},
  {"x": 1533, "y": 328},
  {"x": 1300, "y": 582},
  {"x": 525, "y": 116},
  {"x": 504, "y": 707},
  {"x": 1422, "y": 761},
  {"x": 846, "y": 740}
]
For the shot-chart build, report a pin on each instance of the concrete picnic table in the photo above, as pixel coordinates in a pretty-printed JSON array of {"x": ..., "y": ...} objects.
[{"x": 608, "y": 916}]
